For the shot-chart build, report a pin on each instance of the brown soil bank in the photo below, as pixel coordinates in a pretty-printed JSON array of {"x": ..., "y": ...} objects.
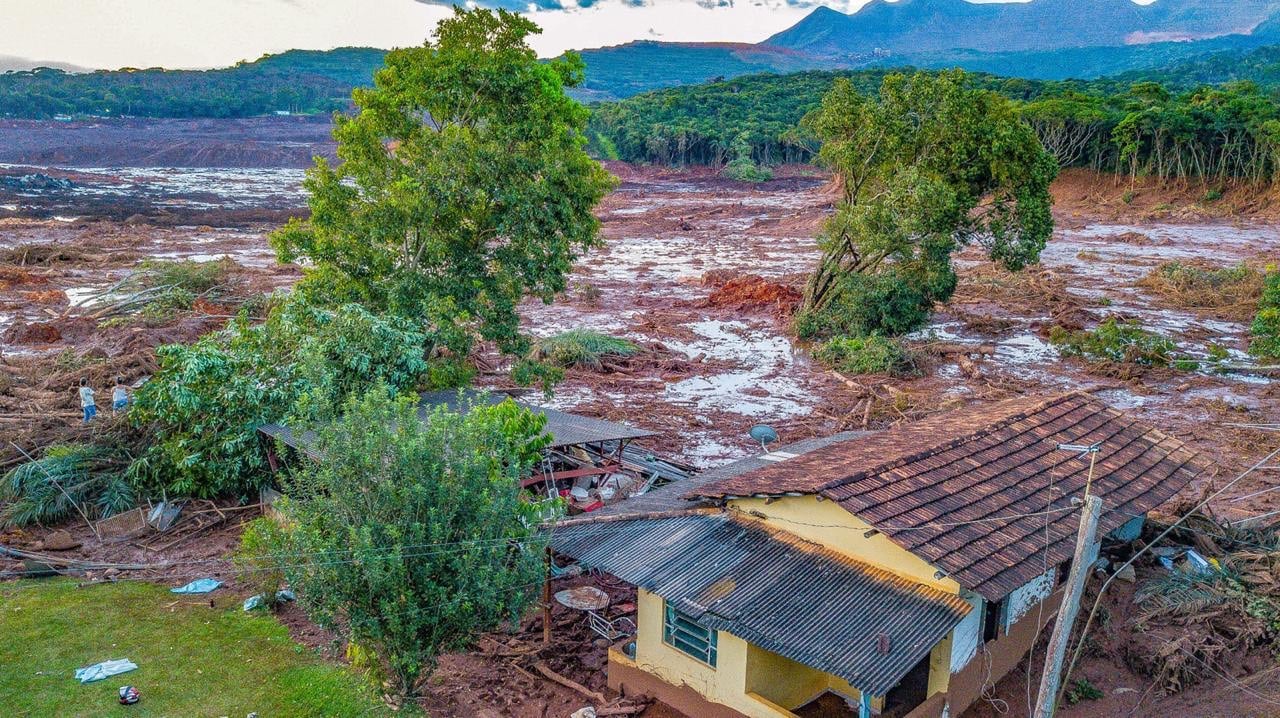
[{"x": 1081, "y": 194}]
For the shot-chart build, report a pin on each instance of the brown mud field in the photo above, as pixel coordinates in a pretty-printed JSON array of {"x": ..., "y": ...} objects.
[{"x": 703, "y": 273}]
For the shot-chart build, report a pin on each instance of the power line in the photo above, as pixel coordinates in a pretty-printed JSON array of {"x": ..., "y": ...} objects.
[{"x": 1075, "y": 655}]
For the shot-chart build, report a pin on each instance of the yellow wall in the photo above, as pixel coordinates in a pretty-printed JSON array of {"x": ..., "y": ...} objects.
[
  {"x": 940, "y": 666},
  {"x": 826, "y": 523},
  {"x": 741, "y": 669}
]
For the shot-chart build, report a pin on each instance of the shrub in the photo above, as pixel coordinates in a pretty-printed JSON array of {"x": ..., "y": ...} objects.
[
  {"x": 744, "y": 170},
  {"x": 436, "y": 540},
  {"x": 1118, "y": 342},
  {"x": 1212, "y": 195},
  {"x": 581, "y": 347},
  {"x": 260, "y": 569},
  {"x": 66, "y": 476},
  {"x": 867, "y": 355},
  {"x": 1265, "y": 332},
  {"x": 865, "y": 304},
  {"x": 742, "y": 167},
  {"x": 1081, "y": 689}
]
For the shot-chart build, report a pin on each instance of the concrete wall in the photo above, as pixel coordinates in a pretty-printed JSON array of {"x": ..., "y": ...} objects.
[
  {"x": 1028, "y": 596},
  {"x": 996, "y": 658},
  {"x": 826, "y": 523}
]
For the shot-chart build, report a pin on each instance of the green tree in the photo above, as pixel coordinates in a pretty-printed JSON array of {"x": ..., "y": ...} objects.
[
  {"x": 929, "y": 165},
  {"x": 464, "y": 186},
  {"x": 431, "y": 539},
  {"x": 202, "y": 409}
]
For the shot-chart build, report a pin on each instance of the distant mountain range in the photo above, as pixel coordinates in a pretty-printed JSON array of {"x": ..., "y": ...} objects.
[
  {"x": 1038, "y": 39},
  {"x": 921, "y": 26},
  {"x": 1041, "y": 39}
]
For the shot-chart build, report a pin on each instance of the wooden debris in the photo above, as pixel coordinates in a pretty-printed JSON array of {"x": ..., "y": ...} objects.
[{"x": 545, "y": 670}]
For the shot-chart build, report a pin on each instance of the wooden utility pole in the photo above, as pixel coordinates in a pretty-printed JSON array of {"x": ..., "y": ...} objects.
[{"x": 1086, "y": 553}]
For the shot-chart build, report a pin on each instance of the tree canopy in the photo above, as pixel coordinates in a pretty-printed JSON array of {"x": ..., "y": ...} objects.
[
  {"x": 1164, "y": 127},
  {"x": 928, "y": 165},
  {"x": 431, "y": 538},
  {"x": 463, "y": 186}
]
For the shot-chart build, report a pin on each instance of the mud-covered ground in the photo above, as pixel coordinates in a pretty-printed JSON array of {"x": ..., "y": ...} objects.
[
  {"x": 703, "y": 273},
  {"x": 267, "y": 142}
]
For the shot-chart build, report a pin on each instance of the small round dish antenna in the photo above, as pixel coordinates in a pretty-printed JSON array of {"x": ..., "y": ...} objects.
[{"x": 764, "y": 434}]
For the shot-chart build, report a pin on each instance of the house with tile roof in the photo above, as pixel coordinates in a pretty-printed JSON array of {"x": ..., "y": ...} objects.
[{"x": 894, "y": 573}]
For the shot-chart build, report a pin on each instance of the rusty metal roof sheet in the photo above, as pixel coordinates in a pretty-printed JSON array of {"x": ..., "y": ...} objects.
[
  {"x": 676, "y": 496},
  {"x": 775, "y": 591},
  {"x": 954, "y": 488},
  {"x": 565, "y": 429}
]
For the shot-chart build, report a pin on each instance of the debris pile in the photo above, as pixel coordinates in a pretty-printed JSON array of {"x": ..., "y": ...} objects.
[
  {"x": 749, "y": 292},
  {"x": 1211, "y": 609}
]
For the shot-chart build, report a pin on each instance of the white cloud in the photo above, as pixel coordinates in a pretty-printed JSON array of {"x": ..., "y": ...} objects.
[{"x": 211, "y": 33}]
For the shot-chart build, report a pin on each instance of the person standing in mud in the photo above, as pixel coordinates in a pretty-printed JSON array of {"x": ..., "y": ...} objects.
[
  {"x": 119, "y": 396},
  {"x": 87, "y": 403}
]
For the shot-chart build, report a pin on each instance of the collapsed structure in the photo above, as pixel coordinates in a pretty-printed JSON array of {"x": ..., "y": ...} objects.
[
  {"x": 896, "y": 573},
  {"x": 590, "y": 462}
]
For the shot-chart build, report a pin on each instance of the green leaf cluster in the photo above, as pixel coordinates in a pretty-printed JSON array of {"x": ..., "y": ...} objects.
[
  {"x": 464, "y": 186},
  {"x": 430, "y": 538},
  {"x": 1265, "y": 331},
  {"x": 65, "y": 480},
  {"x": 1118, "y": 342},
  {"x": 871, "y": 354},
  {"x": 203, "y": 407},
  {"x": 581, "y": 347},
  {"x": 928, "y": 165}
]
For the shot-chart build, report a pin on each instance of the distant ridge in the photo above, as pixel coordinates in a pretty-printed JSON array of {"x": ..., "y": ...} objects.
[{"x": 918, "y": 26}]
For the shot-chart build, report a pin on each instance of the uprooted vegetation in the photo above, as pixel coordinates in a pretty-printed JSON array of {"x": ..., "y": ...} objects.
[
  {"x": 582, "y": 348},
  {"x": 1197, "y": 624},
  {"x": 1265, "y": 332},
  {"x": 1120, "y": 348},
  {"x": 1230, "y": 291},
  {"x": 871, "y": 354},
  {"x": 158, "y": 288},
  {"x": 67, "y": 480}
]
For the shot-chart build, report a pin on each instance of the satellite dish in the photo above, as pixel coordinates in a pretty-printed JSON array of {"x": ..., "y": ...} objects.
[{"x": 764, "y": 434}]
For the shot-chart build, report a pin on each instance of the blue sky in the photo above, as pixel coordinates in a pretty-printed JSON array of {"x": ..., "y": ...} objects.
[{"x": 209, "y": 33}]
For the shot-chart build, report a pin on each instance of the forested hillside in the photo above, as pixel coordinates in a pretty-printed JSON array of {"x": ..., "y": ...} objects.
[
  {"x": 1131, "y": 126},
  {"x": 295, "y": 81}
]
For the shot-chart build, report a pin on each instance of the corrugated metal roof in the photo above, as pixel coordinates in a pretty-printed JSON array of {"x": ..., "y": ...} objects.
[
  {"x": 772, "y": 589},
  {"x": 565, "y": 429},
  {"x": 935, "y": 486}
]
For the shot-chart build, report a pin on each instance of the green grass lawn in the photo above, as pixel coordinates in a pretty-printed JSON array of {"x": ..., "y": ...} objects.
[{"x": 192, "y": 660}]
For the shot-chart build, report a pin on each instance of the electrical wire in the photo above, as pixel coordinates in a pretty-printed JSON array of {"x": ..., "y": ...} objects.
[{"x": 1075, "y": 654}]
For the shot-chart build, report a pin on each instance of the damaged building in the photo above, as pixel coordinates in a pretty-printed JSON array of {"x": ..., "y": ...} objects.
[
  {"x": 589, "y": 463},
  {"x": 896, "y": 573}
]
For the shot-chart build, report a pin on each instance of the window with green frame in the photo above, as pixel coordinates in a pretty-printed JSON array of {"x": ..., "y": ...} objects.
[{"x": 682, "y": 633}]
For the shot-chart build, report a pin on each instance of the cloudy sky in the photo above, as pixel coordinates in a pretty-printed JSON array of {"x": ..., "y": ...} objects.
[{"x": 210, "y": 33}]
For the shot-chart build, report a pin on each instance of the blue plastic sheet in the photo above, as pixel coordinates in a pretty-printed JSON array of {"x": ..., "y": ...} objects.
[
  {"x": 200, "y": 585},
  {"x": 106, "y": 669}
]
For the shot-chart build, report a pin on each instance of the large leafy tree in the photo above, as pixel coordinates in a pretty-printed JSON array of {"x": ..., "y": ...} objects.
[
  {"x": 464, "y": 186},
  {"x": 422, "y": 531},
  {"x": 927, "y": 166}
]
